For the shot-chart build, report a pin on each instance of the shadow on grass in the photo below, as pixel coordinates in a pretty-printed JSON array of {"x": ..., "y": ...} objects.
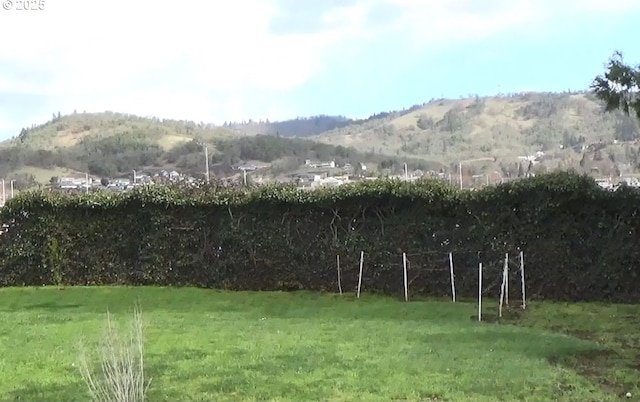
[
  {"x": 613, "y": 364},
  {"x": 51, "y": 306},
  {"x": 32, "y": 391},
  {"x": 594, "y": 365},
  {"x": 613, "y": 371},
  {"x": 284, "y": 375},
  {"x": 165, "y": 383},
  {"x": 301, "y": 372},
  {"x": 283, "y": 305}
]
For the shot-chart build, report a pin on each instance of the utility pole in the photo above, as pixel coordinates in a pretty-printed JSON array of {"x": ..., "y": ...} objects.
[
  {"x": 406, "y": 172},
  {"x": 86, "y": 182},
  {"x": 244, "y": 176},
  {"x": 206, "y": 162},
  {"x": 12, "y": 181}
]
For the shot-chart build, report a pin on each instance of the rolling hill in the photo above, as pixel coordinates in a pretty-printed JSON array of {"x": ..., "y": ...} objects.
[
  {"x": 74, "y": 130},
  {"x": 543, "y": 131},
  {"x": 449, "y": 130}
]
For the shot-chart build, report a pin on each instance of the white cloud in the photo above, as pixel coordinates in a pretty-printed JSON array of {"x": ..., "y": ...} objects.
[
  {"x": 210, "y": 60},
  {"x": 445, "y": 23},
  {"x": 97, "y": 53}
]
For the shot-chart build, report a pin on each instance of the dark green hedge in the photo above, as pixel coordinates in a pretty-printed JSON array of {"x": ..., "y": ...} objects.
[{"x": 579, "y": 242}]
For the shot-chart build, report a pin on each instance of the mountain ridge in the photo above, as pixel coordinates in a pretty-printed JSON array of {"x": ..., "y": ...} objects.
[{"x": 565, "y": 127}]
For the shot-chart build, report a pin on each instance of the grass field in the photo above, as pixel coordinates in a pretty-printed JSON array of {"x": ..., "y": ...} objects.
[
  {"x": 210, "y": 345},
  {"x": 43, "y": 176}
]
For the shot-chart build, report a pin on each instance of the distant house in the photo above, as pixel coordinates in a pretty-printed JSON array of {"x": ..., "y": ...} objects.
[
  {"x": 310, "y": 177},
  {"x": 248, "y": 167},
  {"x": 69, "y": 183},
  {"x": 144, "y": 178},
  {"x": 123, "y": 182},
  {"x": 631, "y": 181},
  {"x": 328, "y": 164},
  {"x": 327, "y": 182},
  {"x": 605, "y": 183}
]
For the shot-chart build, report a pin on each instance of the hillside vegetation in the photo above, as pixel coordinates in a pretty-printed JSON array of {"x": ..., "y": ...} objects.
[
  {"x": 111, "y": 144},
  {"x": 571, "y": 129},
  {"x": 74, "y": 130},
  {"x": 567, "y": 127}
]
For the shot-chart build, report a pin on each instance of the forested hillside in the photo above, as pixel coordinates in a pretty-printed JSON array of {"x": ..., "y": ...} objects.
[
  {"x": 111, "y": 145},
  {"x": 308, "y": 126},
  {"x": 571, "y": 129},
  {"x": 548, "y": 130}
]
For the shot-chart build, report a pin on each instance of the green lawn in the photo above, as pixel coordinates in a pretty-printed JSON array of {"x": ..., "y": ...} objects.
[{"x": 210, "y": 345}]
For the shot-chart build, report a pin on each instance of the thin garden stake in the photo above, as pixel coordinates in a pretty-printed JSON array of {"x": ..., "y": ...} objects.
[
  {"x": 503, "y": 287},
  {"x": 453, "y": 280},
  {"x": 524, "y": 299},
  {"x": 406, "y": 285},
  {"x": 339, "y": 280},
  {"x": 480, "y": 291},
  {"x": 506, "y": 279},
  {"x": 360, "y": 275}
]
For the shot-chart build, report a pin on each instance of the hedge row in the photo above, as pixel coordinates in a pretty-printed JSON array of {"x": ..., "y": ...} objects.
[{"x": 579, "y": 242}]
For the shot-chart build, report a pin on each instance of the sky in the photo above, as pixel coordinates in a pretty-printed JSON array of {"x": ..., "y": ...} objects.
[{"x": 217, "y": 61}]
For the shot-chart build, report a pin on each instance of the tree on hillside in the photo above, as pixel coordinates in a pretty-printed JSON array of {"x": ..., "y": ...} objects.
[
  {"x": 619, "y": 86},
  {"x": 23, "y": 135},
  {"x": 425, "y": 122},
  {"x": 626, "y": 129}
]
